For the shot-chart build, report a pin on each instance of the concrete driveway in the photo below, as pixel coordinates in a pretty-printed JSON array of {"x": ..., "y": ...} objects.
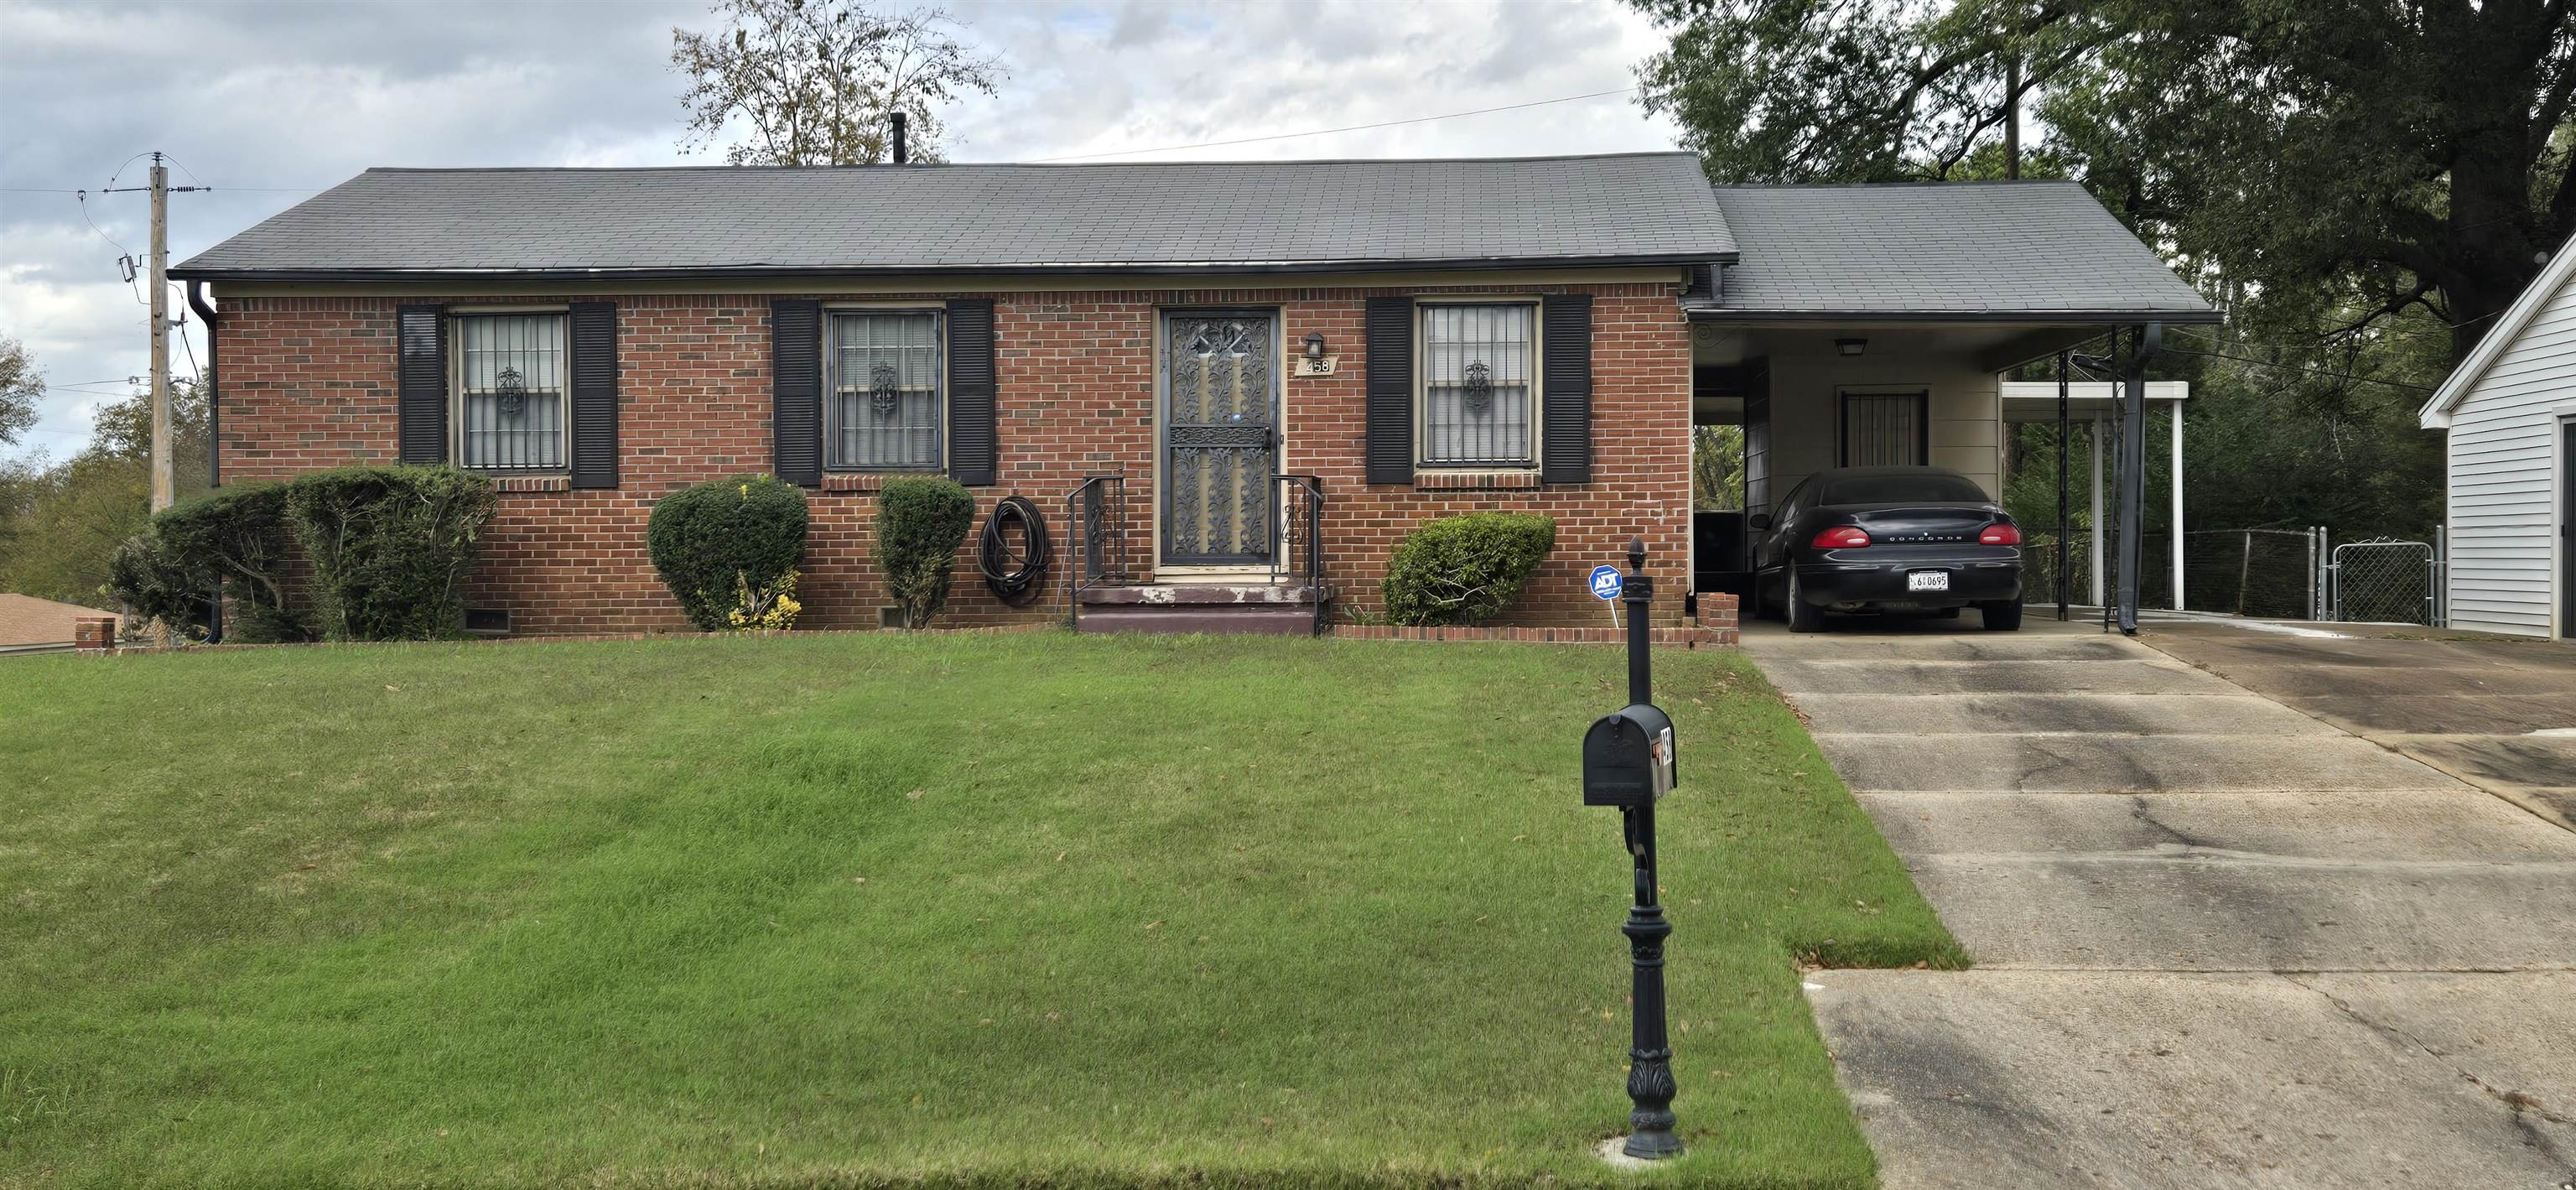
[
  {"x": 2496, "y": 712},
  {"x": 2221, "y": 941}
]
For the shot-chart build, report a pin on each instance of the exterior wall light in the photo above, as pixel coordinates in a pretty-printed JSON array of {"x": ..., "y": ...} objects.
[
  {"x": 1315, "y": 345},
  {"x": 1850, "y": 347}
]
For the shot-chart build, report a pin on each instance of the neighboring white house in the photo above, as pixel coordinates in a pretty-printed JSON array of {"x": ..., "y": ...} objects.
[{"x": 2510, "y": 410}]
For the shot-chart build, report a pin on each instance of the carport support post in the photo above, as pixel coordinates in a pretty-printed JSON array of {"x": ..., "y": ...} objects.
[
  {"x": 2178, "y": 604},
  {"x": 2065, "y": 551},
  {"x": 2093, "y": 436},
  {"x": 2133, "y": 471},
  {"x": 1650, "y": 1049}
]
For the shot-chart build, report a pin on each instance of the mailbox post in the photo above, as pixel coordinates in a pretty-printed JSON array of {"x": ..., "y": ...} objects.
[{"x": 1628, "y": 763}]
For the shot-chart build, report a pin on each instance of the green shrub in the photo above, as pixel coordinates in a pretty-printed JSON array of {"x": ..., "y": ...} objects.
[
  {"x": 1463, "y": 569},
  {"x": 389, "y": 547},
  {"x": 921, "y": 521},
  {"x": 712, "y": 541},
  {"x": 150, "y": 583},
  {"x": 237, "y": 536}
]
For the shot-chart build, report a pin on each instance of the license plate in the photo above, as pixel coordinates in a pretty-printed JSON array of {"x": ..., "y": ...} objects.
[{"x": 1927, "y": 580}]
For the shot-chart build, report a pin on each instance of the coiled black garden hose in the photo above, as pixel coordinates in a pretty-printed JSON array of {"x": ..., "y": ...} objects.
[{"x": 1015, "y": 579}]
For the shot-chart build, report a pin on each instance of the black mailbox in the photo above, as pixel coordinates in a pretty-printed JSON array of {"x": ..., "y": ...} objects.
[{"x": 1628, "y": 757}]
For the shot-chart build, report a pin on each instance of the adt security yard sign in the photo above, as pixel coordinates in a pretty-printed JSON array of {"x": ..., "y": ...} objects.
[{"x": 1605, "y": 582}]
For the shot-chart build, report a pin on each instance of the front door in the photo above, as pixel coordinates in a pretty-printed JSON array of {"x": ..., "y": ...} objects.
[{"x": 1220, "y": 437}]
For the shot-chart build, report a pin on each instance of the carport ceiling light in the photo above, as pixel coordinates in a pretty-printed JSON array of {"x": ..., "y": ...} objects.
[{"x": 1850, "y": 346}]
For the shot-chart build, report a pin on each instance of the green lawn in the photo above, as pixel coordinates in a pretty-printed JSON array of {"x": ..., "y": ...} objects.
[{"x": 858, "y": 910}]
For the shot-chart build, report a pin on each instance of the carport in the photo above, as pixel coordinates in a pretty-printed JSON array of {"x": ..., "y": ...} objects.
[{"x": 1873, "y": 325}]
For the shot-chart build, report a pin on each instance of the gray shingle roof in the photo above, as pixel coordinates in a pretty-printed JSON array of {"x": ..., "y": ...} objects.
[
  {"x": 1966, "y": 249},
  {"x": 1639, "y": 207}
]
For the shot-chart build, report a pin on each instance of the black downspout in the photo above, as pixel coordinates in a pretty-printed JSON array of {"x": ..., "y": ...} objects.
[{"x": 214, "y": 434}]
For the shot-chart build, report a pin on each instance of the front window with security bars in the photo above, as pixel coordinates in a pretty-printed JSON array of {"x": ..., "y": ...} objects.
[
  {"x": 510, "y": 386},
  {"x": 886, "y": 399},
  {"x": 1476, "y": 393}
]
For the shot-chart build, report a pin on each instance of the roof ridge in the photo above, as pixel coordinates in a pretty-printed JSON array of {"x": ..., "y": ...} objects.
[{"x": 956, "y": 165}]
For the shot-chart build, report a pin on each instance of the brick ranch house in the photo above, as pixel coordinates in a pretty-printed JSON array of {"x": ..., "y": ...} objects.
[{"x": 1230, "y": 388}]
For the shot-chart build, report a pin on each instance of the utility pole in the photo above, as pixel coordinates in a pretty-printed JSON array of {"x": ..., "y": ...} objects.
[{"x": 164, "y": 474}]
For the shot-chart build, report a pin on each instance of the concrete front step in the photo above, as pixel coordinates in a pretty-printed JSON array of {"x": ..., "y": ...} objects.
[{"x": 1259, "y": 608}]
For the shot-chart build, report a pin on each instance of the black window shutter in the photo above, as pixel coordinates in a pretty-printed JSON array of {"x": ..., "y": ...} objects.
[
  {"x": 1566, "y": 388},
  {"x": 421, "y": 374},
  {"x": 1390, "y": 390},
  {"x": 796, "y": 375},
  {"x": 594, "y": 394},
  {"x": 974, "y": 451}
]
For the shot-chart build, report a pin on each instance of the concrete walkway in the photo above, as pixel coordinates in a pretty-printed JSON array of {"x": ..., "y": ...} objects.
[{"x": 2220, "y": 942}]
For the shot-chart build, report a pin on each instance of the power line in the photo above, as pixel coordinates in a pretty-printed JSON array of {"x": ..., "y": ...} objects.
[
  {"x": 2346, "y": 376},
  {"x": 1213, "y": 144}
]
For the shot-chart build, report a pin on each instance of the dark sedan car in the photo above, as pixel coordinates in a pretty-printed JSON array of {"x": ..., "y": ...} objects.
[{"x": 1887, "y": 539}]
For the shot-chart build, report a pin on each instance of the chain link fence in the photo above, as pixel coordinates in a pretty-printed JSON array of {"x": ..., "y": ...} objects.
[
  {"x": 2240, "y": 572},
  {"x": 2387, "y": 582},
  {"x": 2283, "y": 574}
]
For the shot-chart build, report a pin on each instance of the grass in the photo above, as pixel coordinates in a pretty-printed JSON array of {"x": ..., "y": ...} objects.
[{"x": 863, "y": 910}]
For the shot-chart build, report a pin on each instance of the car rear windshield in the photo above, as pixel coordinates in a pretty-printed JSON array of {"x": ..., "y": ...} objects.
[{"x": 1933, "y": 486}]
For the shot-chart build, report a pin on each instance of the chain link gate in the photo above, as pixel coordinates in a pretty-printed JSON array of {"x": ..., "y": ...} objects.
[{"x": 2386, "y": 582}]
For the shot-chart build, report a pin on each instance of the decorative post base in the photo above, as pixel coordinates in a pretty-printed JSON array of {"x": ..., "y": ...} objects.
[{"x": 1650, "y": 1056}]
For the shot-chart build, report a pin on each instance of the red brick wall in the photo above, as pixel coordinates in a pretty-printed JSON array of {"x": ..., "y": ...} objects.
[{"x": 308, "y": 382}]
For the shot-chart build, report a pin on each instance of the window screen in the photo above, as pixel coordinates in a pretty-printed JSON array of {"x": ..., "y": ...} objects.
[
  {"x": 511, "y": 388},
  {"x": 1476, "y": 369},
  {"x": 886, "y": 398}
]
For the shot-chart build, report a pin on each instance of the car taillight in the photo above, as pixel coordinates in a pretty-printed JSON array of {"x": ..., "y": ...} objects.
[
  {"x": 2000, "y": 535},
  {"x": 1841, "y": 537}
]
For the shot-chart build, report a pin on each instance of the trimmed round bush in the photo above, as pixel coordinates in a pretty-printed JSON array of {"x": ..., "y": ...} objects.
[
  {"x": 713, "y": 541},
  {"x": 151, "y": 584},
  {"x": 237, "y": 536},
  {"x": 1464, "y": 569},
  {"x": 390, "y": 547},
  {"x": 921, "y": 522}
]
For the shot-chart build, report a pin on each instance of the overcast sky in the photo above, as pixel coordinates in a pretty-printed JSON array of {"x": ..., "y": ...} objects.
[{"x": 270, "y": 102}]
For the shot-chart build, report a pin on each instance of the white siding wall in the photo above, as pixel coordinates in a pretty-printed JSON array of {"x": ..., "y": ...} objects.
[
  {"x": 2504, "y": 485},
  {"x": 1806, "y": 401}
]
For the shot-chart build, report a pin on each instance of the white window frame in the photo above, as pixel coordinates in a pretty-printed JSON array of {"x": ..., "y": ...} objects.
[
  {"x": 1422, "y": 307},
  {"x": 939, "y": 397},
  {"x": 457, "y": 317}
]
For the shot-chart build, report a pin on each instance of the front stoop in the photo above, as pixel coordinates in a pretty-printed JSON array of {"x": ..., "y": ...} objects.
[{"x": 1275, "y": 609}]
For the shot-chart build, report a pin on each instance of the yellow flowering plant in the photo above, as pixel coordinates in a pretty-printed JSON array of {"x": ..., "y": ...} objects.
[{"x": 771, "y": 607}]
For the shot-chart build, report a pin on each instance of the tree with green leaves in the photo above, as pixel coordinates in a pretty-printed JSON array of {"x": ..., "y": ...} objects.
[
  {"x": 2325, "y": 164},
  {"x": 60, "y": 524},
  {"x": 21, "y": 386},
  {"x": 815, "y": 81},
  {"x": 1717, "y": 468}
]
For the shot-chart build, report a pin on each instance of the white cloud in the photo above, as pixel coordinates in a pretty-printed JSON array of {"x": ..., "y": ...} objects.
[{"x": 292, "y": 96}]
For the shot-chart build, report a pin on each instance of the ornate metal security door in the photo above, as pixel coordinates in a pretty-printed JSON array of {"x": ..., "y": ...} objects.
[{"x": 1220, "y": 432}]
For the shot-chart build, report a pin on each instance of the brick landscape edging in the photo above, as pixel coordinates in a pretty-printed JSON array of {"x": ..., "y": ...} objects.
[{"x": 1716, "y": 626}]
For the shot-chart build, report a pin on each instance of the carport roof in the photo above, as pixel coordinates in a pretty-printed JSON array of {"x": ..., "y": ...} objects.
[{"x": 2037, "y": 252}]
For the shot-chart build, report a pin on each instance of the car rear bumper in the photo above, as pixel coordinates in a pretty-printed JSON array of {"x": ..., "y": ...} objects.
[{"x": 1883, "y": 585}]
